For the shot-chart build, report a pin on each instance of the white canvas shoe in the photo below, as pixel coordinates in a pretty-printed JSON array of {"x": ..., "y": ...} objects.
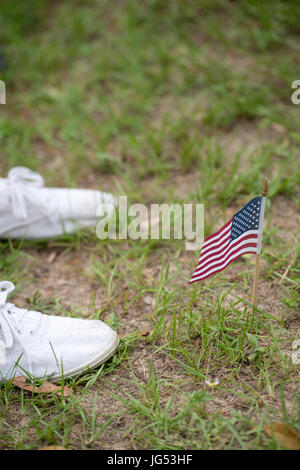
[
  {"x": 28, "y": 210},
  {"x": 46, "y": 346}
]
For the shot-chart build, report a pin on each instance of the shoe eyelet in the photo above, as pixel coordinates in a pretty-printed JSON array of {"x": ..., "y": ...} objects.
[
  {"x": 31, "y": 332},
  {"x": 19, "y": 332}
]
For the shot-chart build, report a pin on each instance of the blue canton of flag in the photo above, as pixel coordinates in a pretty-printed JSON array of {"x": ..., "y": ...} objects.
[{"x": 246, "y": 219}]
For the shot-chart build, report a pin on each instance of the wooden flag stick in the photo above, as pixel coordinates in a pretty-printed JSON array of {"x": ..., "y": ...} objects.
[
  {"x": 255, "y": 282},
  {"x": 264, "y": 192}
]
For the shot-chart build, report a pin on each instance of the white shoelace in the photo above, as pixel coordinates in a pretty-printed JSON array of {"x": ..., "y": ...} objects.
[
  {"x": 20, "y": 179},
  {"x": 12, "y": 321}
]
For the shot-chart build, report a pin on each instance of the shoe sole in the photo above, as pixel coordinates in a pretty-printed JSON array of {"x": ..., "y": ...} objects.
[{"x": 97, "y": 361}]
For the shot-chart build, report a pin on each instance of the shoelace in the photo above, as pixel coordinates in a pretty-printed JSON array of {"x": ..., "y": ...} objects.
[
  {"x": 10, "y": 322},
  {"x": 20, "y": 179}
]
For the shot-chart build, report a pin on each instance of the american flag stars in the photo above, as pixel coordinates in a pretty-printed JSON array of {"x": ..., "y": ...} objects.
[{"x": 246, "y": 219}]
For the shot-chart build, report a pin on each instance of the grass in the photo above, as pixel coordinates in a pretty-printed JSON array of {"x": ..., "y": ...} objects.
[{"x": 165, "y": 102}]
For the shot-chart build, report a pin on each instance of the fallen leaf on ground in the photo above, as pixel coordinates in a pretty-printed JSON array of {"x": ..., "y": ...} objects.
[
  {"x": 52, "y": 448},
  {"x": 285, "y": 435},
  {"x": 140, "y": 333},
  {"x": 51, "y": 257},
  {"x": 144, "y": 333},
  {"x": 46, "y": 387}
]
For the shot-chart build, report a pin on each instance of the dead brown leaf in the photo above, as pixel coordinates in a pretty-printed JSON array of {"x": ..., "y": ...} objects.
[
  {"x": 284, "y": 434},
  {"x": 46, "y": 387},
  {"x": 52, "y": 448},
  {"x": 52, "y": 257},
  {"x": 144, "y": 333},
  {"x": 140, "y": 333}
]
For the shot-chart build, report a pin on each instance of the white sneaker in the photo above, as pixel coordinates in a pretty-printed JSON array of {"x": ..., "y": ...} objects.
[
  {"x": 47, "y": 346},
  {"x": 28, "y": 210}
]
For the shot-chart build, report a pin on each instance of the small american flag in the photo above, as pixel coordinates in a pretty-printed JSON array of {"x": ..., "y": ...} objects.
[{"x": 242, "y": 234}]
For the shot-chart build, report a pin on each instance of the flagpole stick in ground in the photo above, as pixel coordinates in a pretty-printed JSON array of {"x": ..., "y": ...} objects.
[{"x": 264, "y": 192}]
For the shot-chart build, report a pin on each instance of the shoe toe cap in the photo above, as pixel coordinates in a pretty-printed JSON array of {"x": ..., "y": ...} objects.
[{"x": 78, "y": 343}]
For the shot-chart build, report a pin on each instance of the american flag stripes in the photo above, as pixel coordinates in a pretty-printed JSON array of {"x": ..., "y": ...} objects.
[{"x": 242, "y": 234}]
